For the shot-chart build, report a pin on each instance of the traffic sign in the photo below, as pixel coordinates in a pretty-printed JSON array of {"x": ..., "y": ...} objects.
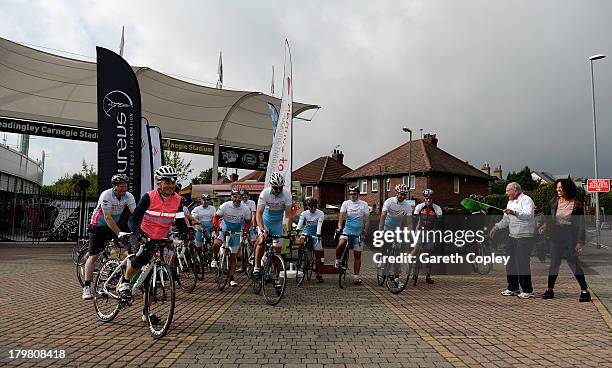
[{"x": 598, "y": 185}]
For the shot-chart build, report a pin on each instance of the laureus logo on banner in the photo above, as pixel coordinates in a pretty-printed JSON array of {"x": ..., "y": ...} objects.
[{"x": 115, "y": 104}]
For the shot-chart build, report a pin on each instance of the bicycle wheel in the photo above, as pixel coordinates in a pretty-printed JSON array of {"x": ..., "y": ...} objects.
[
  {"x": 309, "y": 263},
  {"x": 250, "y": 260},
  {"x": 222, "y": 277},
  {"x": 302, "y": 263},
  {"x": 80, "y": 266},
  {"x": 186, "y": 274},
  {"x": 201, "y": 265},
  {"x": 398, "y": 277},
  {"x": 413, "y": 270},
  {"x": 106, "y": 298},
  {"x": 381, "y": 274},
  {"x": 77, "y": 248},
  {"x": 159, "y": 300},
  {"x": 343, "y": 268},
  {"x": 274, "y": 279}
]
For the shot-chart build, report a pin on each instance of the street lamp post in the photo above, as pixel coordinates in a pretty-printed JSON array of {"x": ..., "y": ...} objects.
[
  {"x": 409, "y": 163},
  {"x": 597, "y": 225}
]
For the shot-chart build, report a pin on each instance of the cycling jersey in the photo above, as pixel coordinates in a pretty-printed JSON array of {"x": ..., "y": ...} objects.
[
  {"x": 234, "y": 217},
  {"x": 356, "y": 212},
  {"x": 251, "y": 205},
  {"x": 108, "y": 201},
  {"x": 396, "y": 212},
  {"x": 204, "y": 215},
  {"x": 274, "y": 209},
  {"x": 428, "y": 216},
  {"x": 313, "y": 221}
]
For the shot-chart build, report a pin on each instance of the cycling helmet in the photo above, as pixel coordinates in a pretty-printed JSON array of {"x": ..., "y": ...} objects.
[
  {"x": 353, "y": 188},
  {"x": 401, "y": 188},
  {"x": 166, "y": 172},
  {"x": 311, "y": 202},
  {"x": 428, "y": 193},
  {"x": 277, "y": 179},
  {"x": 235, "y": 191},
  {"x": 119, "y": 178},
  {"x": 244, "y": 192},
  {"x": 205, "y": 196}
]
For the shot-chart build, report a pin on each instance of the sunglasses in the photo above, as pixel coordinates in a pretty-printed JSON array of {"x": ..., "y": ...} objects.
[{"x": 277, "y": 189}]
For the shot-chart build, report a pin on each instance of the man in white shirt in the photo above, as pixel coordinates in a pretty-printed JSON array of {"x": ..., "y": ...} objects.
[{"x": 519, "y": 218}]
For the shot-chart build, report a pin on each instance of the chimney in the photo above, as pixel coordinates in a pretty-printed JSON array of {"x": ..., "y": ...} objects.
[
  {"x": 338, "y": 156},
  {"x": 234, "y": 177},
  {"x": 431, "y": 139},
  {"x": 498, "y": 172},
  {"x": 486, "y": 168}
]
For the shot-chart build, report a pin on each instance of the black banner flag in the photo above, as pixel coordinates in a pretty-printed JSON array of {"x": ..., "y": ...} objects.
[{"x": 119, "y": 121}]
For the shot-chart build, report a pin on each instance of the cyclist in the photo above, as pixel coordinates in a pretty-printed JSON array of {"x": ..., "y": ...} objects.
[
  {"x": 396, "y": 210},
  {"x": 251, "y": 235},
  {"x": 354, "y": 220},
  {"x": 236, "y": 217},
  {"x": 154, "y": 215},
  {"x": 104, "y": 226},
  {"x": 313, "y": 219},
  {"x": 203, "y": 216},
  {"x": 428, "y": 215},
  {"x": 274, "y": 203}
]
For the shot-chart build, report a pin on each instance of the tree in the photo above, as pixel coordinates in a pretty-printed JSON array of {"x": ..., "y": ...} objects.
[
  {"x": 69, "y": 183},
  {"x": 498, "y": 187},
  {"x": 522, "y": 177},
  {"x": 182, "y": 167},
  {"x": 205, "y": 177}
]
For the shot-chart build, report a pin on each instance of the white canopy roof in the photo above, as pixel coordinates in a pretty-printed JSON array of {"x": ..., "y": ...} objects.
[{"x": 36, "y": 85}]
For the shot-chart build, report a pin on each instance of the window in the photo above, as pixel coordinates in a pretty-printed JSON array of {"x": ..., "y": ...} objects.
[
  {"x": 374, "y": 185},
  {"x": 456, "y": 185},
  {"x": 412, "y": 181},
  {"x": 309, "y": 191},
  {"x": 388, "y": 184},
  {"x": 363, "y": 186}
]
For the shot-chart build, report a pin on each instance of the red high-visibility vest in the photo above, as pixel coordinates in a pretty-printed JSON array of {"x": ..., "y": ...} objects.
[{"x": 159, "y": 217}]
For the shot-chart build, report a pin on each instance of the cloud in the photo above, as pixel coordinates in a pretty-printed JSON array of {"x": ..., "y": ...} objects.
[{"x": 507, "y": 82}]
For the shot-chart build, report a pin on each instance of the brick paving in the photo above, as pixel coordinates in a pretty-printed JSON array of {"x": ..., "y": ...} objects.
[{"x": 460, "y": 321}]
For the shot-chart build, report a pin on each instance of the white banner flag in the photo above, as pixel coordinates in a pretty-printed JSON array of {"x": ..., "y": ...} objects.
[
  {"x": 280, "y": 154},
  {"x": 156, "y": 147},
  {"x": 146, "y": 175}
]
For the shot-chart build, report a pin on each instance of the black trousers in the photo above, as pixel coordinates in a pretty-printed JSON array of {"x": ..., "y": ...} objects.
[{"x": 518, "y": 269}]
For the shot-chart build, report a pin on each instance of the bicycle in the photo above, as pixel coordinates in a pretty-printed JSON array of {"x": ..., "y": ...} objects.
[
  {"x": 306, "y": 259},
  {"x": 183, "y": 265},
  {"x": 481, "y": 249},
  {"x": 224, "y": 260},
  {"x": 78, "y": 247},
  {"x": 155, "y": 281},
  {"x": 105, "y": 255},
  {"x": 397, "y": 274},
  {"x": 343, "y": 264},
  {"x": 248, "y": 255},
  {"x": 273, "y": 275}
]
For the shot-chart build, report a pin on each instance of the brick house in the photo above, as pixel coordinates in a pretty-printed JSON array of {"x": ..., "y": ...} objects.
[
  {"x": 322, "y": 179},
  {"x": 451, "y": 178}
]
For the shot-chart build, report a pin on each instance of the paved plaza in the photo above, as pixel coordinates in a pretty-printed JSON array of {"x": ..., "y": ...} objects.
[{"x": 460, "y": 321}]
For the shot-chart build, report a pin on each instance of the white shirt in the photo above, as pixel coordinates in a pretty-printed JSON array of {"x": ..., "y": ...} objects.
[
  {"x": 233, "y": 214},
  {"x": 108, "y": 201},
  {"x": 251, "y": 205},
  {"x": 202, "y": 214},
  {"x": 356, "y": 212},
  {"x": 313, "y": 220},
  {"x": 523, "y": 224},
  {"x": 396, "y": 212}
]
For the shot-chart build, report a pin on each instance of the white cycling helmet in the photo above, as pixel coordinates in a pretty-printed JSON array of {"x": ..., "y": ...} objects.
[
  {"x": 277, "y": 179},
  {"x": 166, "y": 172},
  {"x": 401, "y": 188}
]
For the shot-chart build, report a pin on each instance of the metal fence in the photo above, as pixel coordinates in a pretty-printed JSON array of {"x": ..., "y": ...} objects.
[{"x": 52, "y": 217}]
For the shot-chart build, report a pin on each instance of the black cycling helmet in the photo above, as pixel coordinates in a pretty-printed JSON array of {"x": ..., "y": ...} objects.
[
  {"x": 244, "y": 192},
  {"x": 119, "y": 178},
  {"x": 311, "y": 202},
  {"x": 353, "y": 188}
]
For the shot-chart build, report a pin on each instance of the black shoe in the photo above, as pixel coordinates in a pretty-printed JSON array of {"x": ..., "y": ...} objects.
[
  {"x": 548, "y": 294},
  {"x": 429, "y": 280},
  {"x": 320, "y": 279},
  {"x": 256, "y": 274},
  {"x": 154, "y": 319},
  {"x": 585, "y": 296}
]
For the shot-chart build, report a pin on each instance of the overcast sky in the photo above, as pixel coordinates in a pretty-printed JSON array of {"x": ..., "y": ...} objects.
[{"x": 503, "y": 81}]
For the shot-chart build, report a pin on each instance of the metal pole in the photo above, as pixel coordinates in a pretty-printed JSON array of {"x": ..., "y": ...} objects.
[
  {"x": 410, "y": 169},
  {"x": 597, "y": 225}
]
